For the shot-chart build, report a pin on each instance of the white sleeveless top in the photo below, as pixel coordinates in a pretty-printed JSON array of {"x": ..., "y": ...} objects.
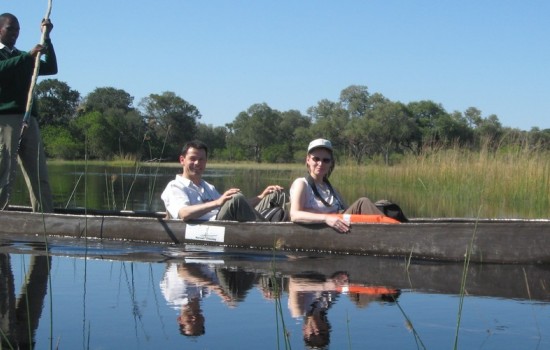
[{"x": 314, "y": 204}]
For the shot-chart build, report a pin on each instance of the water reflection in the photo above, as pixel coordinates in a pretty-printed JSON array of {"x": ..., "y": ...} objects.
[
  {"x": 217, "y": 297},
  {"x": 20, "y": 316},
  {"x": 310, "y": 295},
  {"x": 184, "y": 286}
]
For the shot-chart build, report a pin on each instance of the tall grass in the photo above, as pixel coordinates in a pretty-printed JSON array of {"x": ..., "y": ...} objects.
[{"x": 456, "y": 182}]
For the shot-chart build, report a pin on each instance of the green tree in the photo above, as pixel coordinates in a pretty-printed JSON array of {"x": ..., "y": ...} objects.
[
  {"x": 104, "y": 98},
  {"x": 95, "y": 132},
  {"x": 171, "y": 121},
  {"x": 539, "y": 139},
  {"x": 397, "y": 129},
  {"x": 128, "y": 128},
  {"x": 60, "y": 143},
  {"x": 214, "y": 137},
  {"x": 330, "y": 119},
  {"x": 109, "y": 123},
  {"x": 293, "y": 136},
  {"x": 453, "y": 129},
  {"x": 356, "y": 100},
  {"x": 427, "y": 113},
  {"x": 57, "y": 102},
  {"x": 489, "y": 130},
  {"x": 255, "y": 130}
]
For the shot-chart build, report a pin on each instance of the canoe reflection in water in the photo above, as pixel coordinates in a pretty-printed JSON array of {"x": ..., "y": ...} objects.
[
  {"x": 311, "y": 295},
  {"x": 184, "y": 285},
  {"x": 19, "y": 317}
]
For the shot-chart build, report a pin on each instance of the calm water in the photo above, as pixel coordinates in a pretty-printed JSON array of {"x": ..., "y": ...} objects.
[
  {"x": 113, "y": 296},
  {"x": 101, "y": 187},
  {"x": 92, "y": 295}
]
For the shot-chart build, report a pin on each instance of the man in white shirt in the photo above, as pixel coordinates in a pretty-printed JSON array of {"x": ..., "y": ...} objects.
[{"x": 189, "y": 197}]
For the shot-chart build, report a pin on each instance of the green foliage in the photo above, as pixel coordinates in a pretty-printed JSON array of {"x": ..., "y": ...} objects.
[
  {"x": 276, "y": 153},
  {"x": 60, "y": 143},
  {"x": 104, "y": 98},
  {"x": 171, "y": 121},
  {"x": 57, "y": 102},
  {"x": 99, "y": 137},
  {"x": 363, "y": 127},
  {"x": 255, "y": 130},
  {"x": 214, "y": 137}
]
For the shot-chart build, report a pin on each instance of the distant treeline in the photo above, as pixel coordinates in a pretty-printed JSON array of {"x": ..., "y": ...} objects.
[{"x": 106, "y": 125}]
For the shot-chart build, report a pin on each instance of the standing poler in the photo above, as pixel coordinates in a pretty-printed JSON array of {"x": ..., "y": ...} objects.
[{"x": 18, "y": 142}]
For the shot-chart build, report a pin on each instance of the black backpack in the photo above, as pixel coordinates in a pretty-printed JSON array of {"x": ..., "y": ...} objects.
[
  {"x": 391, "y": 209},
  {"x": 279, "y": 209}
]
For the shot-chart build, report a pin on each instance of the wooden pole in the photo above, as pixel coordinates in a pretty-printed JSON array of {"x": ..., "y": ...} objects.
[{"x": 30, "y": 97}]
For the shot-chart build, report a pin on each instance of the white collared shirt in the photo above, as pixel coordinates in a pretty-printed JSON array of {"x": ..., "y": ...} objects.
[
  {"x": 2, "y": 46},
  {"x": 182, "y": 192}
]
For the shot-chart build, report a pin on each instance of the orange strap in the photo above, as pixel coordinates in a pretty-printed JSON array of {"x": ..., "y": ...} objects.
[
  {"x": 363, "y": 218},
  {"x": 371, "y": 290}
]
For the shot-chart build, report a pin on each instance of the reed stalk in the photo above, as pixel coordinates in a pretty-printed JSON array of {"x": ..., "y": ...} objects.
[
  {"x": 462, "y": 294},
  {"x": 47, "y": 250},
  {"x": 529, "y": 295},
  {"x": 279, "y": 313},
  {"x": 410, "y": 326},
  {"x": 73, "y": 192},
  {"x": 152, "y": 186},
  {"x": 348, "y": 330}
]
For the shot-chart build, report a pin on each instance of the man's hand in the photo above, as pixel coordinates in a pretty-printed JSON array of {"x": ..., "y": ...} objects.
[
  {"x": 37, "y": 50},
  {"x": 47, "y": 27},
  {"x": 227, "y": 195},
  {"x": 269, "y": 189}
]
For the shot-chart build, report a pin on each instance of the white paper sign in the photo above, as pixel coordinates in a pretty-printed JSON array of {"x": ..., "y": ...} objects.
[{"x": 205, "y": 233}]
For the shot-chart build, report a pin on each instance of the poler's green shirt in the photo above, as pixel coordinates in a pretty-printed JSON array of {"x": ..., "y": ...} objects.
[{"x": 16, "y": 75}]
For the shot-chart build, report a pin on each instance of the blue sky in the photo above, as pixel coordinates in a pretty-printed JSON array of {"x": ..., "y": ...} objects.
[{"x": 224, "y": 56}]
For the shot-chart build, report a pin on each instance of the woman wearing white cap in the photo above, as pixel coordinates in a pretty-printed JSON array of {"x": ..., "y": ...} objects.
[{"x": 313, "y": 199}]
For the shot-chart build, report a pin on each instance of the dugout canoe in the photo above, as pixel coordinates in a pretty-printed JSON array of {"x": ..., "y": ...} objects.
[{"x": 482, "y": 240}]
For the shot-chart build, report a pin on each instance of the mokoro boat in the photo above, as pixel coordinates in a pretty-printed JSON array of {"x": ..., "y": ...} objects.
[{"x": 481, "y": 240}]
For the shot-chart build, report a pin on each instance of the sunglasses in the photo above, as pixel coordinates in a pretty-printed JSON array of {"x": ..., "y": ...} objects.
[{"x": 324, "y": 160}]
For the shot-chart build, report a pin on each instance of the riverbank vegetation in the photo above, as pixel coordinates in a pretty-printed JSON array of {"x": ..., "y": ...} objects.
[
  {"x": 430, "y": 161},
  {"x": 363, "y": 126},
  {"x": 453, "y": 182}
]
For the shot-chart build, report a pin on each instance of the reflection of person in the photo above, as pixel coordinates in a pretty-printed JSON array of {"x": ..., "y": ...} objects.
[
  {"x": 310, "y": 296},
  {"x": 236, "y": 282},
  {"x": 312, "y": 197},
  {"x": 184, "y": 286},
  {"x": 271, "y": 286},
  {"x": 19, "y": 317},
  {"x": 190, "y": 197},
  {"x": 16, "y": 70}
]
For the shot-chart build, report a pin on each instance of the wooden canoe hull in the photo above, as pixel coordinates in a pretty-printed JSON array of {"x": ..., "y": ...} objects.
[{"x": 491, "y": 241}]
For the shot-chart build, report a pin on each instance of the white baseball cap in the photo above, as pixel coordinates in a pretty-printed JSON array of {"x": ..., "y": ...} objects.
[{"x": 319, "y": 143}]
